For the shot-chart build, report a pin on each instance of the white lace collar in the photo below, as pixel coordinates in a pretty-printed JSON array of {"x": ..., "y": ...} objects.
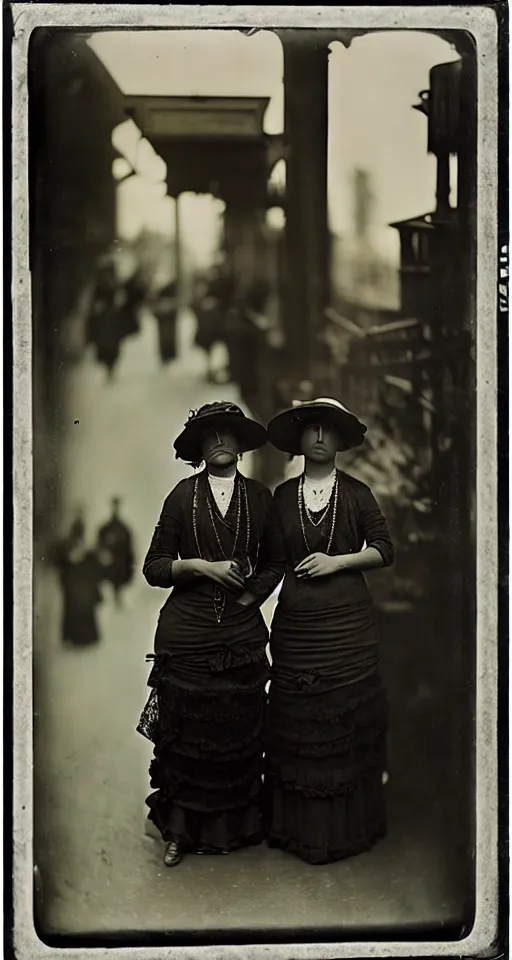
[{"x": 317, "y": 493}]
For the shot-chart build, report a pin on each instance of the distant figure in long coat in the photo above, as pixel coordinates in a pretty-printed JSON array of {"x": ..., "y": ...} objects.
[
  {"x": 166, "y": 311},
  {"x": 104, "y": 321},
  {"x": 80, "y": 578},
  {"x": 115, "y": 551},
  {"x": 247, "y": 328},
  {"x": 134, "y": 295},
  {"x": 211, "y": 311}
]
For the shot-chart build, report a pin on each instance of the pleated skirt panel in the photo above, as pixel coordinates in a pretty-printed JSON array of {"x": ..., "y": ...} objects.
[{"x": 324, "y": 795}]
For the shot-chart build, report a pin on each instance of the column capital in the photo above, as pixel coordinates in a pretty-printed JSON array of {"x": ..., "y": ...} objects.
[
  {"x": 460, "y": 39},
  {"x": 315, "y": 40}
]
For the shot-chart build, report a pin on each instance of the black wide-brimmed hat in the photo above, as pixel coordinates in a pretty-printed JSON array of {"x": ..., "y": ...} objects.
[
  {"x": 250, "y": 434},
  {"x": 285, "y": 430}
]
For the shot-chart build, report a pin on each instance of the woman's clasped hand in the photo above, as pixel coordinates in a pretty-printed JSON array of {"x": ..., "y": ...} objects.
[
  {"x": 317, "y": 565},
  {"x": 226, "y": 573}
]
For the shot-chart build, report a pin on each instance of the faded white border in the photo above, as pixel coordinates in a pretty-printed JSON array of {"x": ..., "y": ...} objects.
[{"x": 481, "y": 22}]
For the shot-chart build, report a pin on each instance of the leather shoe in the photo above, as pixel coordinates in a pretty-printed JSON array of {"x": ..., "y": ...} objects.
[{"x": 174, "y": 854}]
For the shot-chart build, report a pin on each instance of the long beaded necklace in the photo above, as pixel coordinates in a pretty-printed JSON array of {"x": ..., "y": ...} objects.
[
  {"x": 219, "y": 595},
  {"x": 304, "y": 512}
]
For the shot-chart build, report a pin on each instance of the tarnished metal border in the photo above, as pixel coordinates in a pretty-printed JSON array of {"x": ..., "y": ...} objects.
[{"x": 481, "y": 22}]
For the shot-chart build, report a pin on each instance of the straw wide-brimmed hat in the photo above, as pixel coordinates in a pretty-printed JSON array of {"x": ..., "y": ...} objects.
[
  {"x": 285, "y": 430},
  {"x": 250, "y": 434}
]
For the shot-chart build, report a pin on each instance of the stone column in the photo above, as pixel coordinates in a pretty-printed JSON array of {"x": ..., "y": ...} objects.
[{"x": 306, "y": 236}]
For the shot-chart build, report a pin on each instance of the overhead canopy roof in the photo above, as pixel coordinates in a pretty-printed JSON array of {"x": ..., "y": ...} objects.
[
  {"x": 198, "y": 118},
  {"x": 210, "y": 144}
]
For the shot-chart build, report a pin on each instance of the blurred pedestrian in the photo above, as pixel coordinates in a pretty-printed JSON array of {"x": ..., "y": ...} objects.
[
  {"x": 115, "y": 552},
  {"x": 207, "y": 335},
  {"x": 105, "y": 319},
  {"x": 213, "y": 546},
  {"x": 326, "y": 747},
  {"x": 166, "y": 313},
  {"x": 133, "y": 295},
  {"x": 211, "y": 308},
  {"x": 247, "y": 329},
  {"x": 80, "y": 577}
]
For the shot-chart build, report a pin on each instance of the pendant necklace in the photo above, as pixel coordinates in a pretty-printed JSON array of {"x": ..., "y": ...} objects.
[
  {"x": 321, "y": 517},
  {"x": 305, "y": 514}
]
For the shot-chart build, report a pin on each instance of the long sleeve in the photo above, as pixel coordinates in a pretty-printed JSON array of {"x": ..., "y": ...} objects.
[
  {"x": 271, "y": 564},
  {"x": 374, "y": 526},
  {"x": 157, "y": 568}
]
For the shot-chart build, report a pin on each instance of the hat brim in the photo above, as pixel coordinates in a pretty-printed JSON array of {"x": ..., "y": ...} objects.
[
  {"x": 286, "y": 429},
  {"x": 250, "y": 435}
]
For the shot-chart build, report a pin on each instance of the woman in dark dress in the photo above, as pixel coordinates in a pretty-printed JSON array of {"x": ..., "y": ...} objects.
[
  {"x": 246, "y": 333},
  {"x": 80, "y": 577},
  {"x": 211, "y": 311},
  {"x": 217, "y": 546},
  {"x": 115, "y": 551},
  {"x": 166, "y": 313},
  {"x": 207, "y": 310},
  {"x": 133, "y": 298},
  {"x": 103, "y": 324},
  {"x": 326, "y": 749}
]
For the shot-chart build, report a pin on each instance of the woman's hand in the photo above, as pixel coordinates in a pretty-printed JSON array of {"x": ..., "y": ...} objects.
[
  {"x": 226, "y": 573},
  {"x": 317, "y": 565}
]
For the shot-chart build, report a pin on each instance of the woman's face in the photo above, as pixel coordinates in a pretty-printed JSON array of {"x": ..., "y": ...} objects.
[
  {"x": 220, "y": 448},
  {"x": 320, "y": 442}
]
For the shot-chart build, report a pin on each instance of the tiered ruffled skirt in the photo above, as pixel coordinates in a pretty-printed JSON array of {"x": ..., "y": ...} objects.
[
  {"x": 326, "y": 742},
  {"x": 206, "y": 721}
]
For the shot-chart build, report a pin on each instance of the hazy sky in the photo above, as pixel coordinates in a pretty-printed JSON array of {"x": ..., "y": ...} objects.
[{"x": 372, "y": 87}]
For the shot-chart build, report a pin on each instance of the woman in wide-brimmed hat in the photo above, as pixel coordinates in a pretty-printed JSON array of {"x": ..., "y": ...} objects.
[
  {"x": 216, "y": 545},
  {"x": 327, "y": 711}
]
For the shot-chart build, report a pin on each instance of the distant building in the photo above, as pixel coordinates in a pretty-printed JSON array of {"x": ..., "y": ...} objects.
[
  {"x": 364, "y": 279},
  {"x": 418, "y": 237}
]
